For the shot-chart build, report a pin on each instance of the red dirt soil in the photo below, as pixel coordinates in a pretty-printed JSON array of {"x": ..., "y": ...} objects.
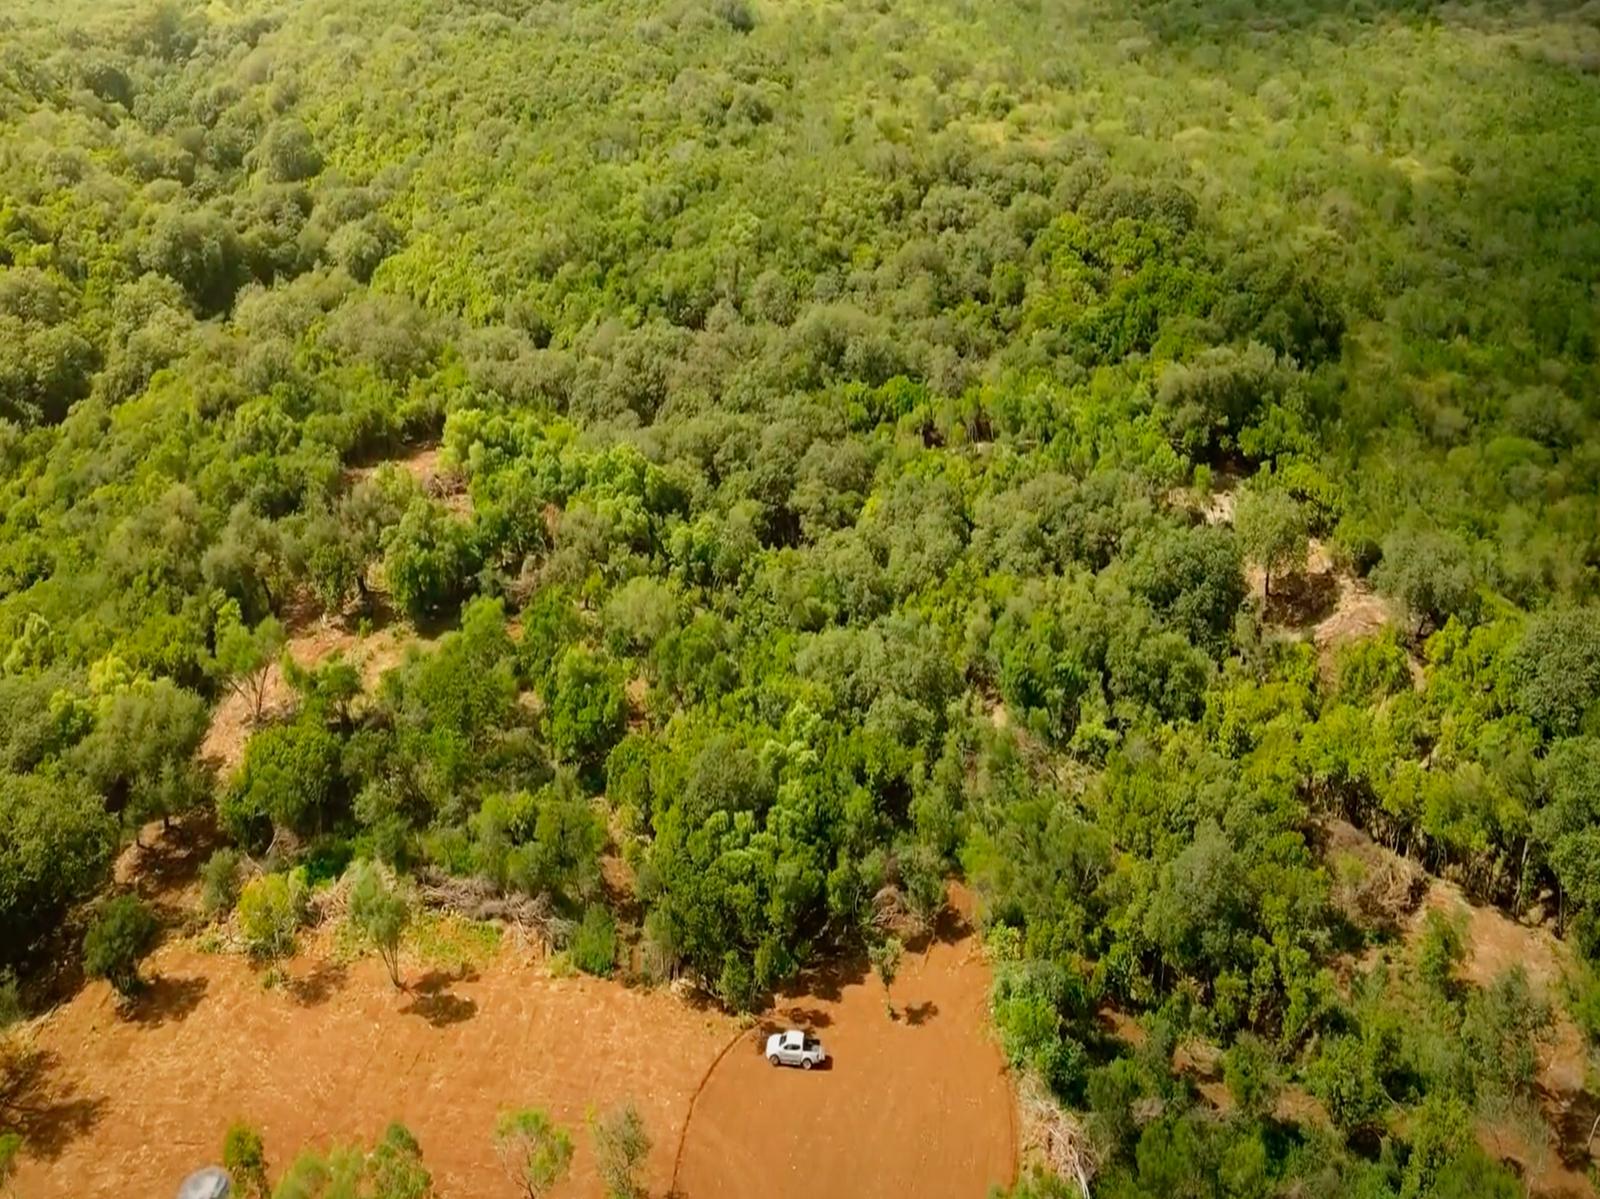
[
  {"x": 231, "y": 724},
  {"x": 127, "y": 1105},
  {"x": 1559, "y": 1166},
  {"x": 334, "y": 1057},
  {"x": 920, "y": 1105}
]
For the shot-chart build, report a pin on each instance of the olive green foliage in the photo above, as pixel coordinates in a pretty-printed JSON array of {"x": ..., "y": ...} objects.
[
  {"x": 1272, "y": 532},
  {"x": 219, "y": 882},
  {"x": 818, "y": 403},
  {"x": 391, "y": 1169},
  {"x": 621, "y": 1145},
  {"x": 594, "y": 944},
  {"x": 244, "y": 655},
  {"x": 536, "y": 1153},
  {"x": 270, "y": 912},
  {"x": 885, "y": 957},
  {"x": 11, "y": 1006},
  {"x": 10, "y": 1153},
  {"x": 245, "y": 1159},
  {"x": 55, "y": 847},
  {"x": 123, "y": 932},
  {"x": 288, "y": 780},
  {"x": 380, "y": 912}
]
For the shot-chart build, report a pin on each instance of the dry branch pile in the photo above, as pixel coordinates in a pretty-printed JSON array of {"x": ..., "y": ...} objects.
[
  {"x": 477, "y": 899},
  {"x": 1376, "y": 889},
  {"x": 1053, "y": 1136}
]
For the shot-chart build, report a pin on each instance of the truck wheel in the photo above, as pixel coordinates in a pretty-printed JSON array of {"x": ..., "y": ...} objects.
[
  {"x": 805, "y": 1063},
  {"x": 773, "y": 1058}
]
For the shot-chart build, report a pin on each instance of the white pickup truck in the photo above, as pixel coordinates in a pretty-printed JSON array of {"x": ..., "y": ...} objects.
[{"x": 794, "y": 1048}]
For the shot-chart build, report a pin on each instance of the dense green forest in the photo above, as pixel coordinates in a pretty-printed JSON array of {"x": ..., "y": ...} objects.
[{"x": 837, "y": 387}]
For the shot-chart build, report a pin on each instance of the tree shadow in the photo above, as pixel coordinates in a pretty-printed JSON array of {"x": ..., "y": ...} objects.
[
  {"x": 168, "y": 1000},
  {"x": 1571, "y": 1117},
  {"x": 1300, "y": 598},
  {"x": 167, "y": 857},
  {"x": 918, "y": 1014},
  {"x": 433, "y": 1000},
  {"x": 442, "y": 1009},
  {"x": 319, "y": 986},
  {"x": 804, "y": 1017},
  {"x": 826, "y": 981},
  {"x": 47, "y": 1111}
]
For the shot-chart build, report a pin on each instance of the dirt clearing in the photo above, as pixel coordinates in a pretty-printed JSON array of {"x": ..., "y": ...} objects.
[
  {"x": 231, "y": 721},
  {"x": 1555, "y": 1159},
  {"x": 919, "y": 1105},
  {"x": 127, "y": 1105}
]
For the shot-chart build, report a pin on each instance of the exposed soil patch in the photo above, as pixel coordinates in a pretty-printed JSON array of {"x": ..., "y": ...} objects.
[
  {"x": 128, "y": 1102},
  {"x": 423, "y": 463},
  {"x": 1555, "y": 1163},
  {"x": 916, "y": 1105},
  {"x": 129, "y": 1105},
  {"x": 232, "y": 721}
]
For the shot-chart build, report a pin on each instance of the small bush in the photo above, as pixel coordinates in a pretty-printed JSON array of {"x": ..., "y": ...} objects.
[
  {"x": 219, "y": 883},
  {"x": 594, "y": 945},
  {"x": 118, "y": 940},
  {"x": 271, "y": 909},
  {"x": 10, "y": 1151},
  {"x": 10, "y": 1000},
  {"x": 245, "y": 1159},
  {"x": 621, "y": 1146}
]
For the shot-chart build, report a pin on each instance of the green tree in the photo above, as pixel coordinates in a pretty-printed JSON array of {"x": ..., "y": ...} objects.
[
  {"x": 428, "y": 560},
  {"x": 289, "y": 779},
  {"x": 1344, "y": 1077},
  {"x": 122, "y": 934},
  {"x": 1557, "y": 667},
  {"x": 380, "y": 912},
  {"x": 392, "y": 1169},
  {"x": 140, "y": 754},
  {"x": 11, "y": 1144},
  {"x": 535, "y": 1152},
  {"x": 620, "y": 1148},
  {"x": 885, "y": 956},
  {"x": 1431, "y": 572},
  {"x": 1272, "y": 530},
  {"x": 219, "y": 883},
  {"x": 244, "y": 657},
  {"x": 1251, "y": 1075},
  {"x": 587, "y": 710},
  {"x": 1439, "y": 952},
  {"x": 594, "y": 945},
  {"x": 56, "y": 842}
]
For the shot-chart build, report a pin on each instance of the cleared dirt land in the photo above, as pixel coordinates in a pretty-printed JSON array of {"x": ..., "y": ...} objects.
[
  {"x": 919, "y": 1105},
  {"x": 126, "y": 1105}
]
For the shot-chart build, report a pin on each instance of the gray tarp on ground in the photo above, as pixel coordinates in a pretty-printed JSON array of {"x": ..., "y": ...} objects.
[{"x": 210, "y": 1183}]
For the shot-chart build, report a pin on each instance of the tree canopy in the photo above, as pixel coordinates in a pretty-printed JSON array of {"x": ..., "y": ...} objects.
[{"x": 806, "y": 436}]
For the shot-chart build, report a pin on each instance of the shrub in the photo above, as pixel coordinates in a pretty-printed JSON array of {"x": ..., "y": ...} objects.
[
  {"x": 118, "y": 940},
  {"x": 270, "y": 911},
  {"x": 219, "y": 883},
  {"x": 11, "y": 1010},
  {"x": 620, "y": 1145},
  {"x": 380, "y": 912},
  {"x": 245, "y": 1159},
  {"x": 535, "y": 1152},
  {"x": 594, "y": 945}
]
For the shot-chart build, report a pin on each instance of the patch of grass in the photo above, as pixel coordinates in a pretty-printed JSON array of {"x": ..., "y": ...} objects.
[
  {"x": 559, "y": 964},
  {"x": 445, "y": 941}
]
